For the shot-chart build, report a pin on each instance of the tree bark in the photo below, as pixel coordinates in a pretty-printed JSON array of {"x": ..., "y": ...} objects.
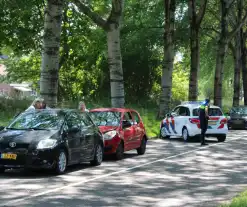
[
  {"x": 195, "y": 21},
  {"x": 166, "y": 79},
  {"x": 50, "y": 52},
  {"x": 115, "y": 66},
  {"x": 243, "y": 64}
]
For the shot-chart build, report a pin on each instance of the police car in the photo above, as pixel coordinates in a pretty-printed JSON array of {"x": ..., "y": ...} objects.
[{"x": 183, "y": 121}]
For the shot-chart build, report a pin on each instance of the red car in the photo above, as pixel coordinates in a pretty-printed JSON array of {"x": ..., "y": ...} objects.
[{"x": 122, "y": 128}]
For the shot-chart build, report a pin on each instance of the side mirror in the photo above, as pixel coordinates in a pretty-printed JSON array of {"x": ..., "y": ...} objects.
[
  {"x": 126, "y": 124},
  {"x": 73, "y": 129},
  {"x": 227, "y": 114},
  {"x": 168, "y": 115}
]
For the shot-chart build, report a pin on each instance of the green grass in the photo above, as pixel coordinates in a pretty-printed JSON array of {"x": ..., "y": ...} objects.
[{"x": 238, "y": 201}]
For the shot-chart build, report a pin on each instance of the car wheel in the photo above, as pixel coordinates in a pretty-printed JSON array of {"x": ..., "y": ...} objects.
[
  {"x": 61, "y": 162},
  {"x": 98, "y": 155},
  {"x": 185, "y": 134},
  {"x": 2, "y": 170},
  {"x": 221, "y": 138},
  {"x": 120, "y": 151},
  {"x": 142, "y": 149},
  {"x": 163, "y": 133}
]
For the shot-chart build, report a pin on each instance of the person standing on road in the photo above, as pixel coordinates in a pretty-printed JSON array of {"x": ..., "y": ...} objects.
[
  {"x": 82, "y": 107},
  {"x": 37, "y": 104},
  {"x": 203, "y": 116}
]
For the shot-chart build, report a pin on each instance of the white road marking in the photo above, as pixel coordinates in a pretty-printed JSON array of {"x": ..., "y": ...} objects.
[{"x": 113, "y": 173}]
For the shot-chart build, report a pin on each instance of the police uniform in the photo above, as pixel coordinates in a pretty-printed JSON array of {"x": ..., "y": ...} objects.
[{"x": 203, "y": 120}]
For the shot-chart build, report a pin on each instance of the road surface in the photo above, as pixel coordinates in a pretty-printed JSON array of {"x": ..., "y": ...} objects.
[{"x": 171, "y": 173}]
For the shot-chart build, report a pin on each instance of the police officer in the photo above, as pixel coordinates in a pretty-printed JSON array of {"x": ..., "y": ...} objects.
[{"x": 203, "y": 116}]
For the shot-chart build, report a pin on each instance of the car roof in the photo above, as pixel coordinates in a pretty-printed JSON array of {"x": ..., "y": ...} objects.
[
  {"x": 112, "y": 109},
  {"x": 194, "y": 106}
]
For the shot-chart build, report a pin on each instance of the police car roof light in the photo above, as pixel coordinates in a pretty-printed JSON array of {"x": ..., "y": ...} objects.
[{"x": 192, "y": 102}]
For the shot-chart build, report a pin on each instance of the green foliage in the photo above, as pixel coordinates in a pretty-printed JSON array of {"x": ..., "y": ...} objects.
[{"x": 238, "y": 201}]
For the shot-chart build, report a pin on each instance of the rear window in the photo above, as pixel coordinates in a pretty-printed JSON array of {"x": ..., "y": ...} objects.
[{"x": 211, "y": 112}]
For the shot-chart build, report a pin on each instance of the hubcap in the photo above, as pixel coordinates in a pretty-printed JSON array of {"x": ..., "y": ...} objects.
[
  {"x": 185, "y": 134},
  {"x": 62, "y": 161},
  {"x": 99, "y": 154},
  {"x": 163, "y": 132}
]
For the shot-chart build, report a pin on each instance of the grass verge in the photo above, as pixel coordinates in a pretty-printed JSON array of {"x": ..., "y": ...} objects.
[{"x": 238, "y": 201}]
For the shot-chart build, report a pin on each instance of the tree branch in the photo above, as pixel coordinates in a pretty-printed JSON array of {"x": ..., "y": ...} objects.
[
  {"x": 201, "y": 13},
  {"x": 97, "y": 19},
  {"x": 238, "y": 27},
  {"x": 211, "y": 29}
]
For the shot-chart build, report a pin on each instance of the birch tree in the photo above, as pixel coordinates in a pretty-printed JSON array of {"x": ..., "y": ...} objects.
[
  {"x": 112, "y": 27},
  {"x": 224, "y": 37},
  {"x": 169, "y": 51},
  {"x": 195, "y": 22},
  {"x": 50, "y": 51}
]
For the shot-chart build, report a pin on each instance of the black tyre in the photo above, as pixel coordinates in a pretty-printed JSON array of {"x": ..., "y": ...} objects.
[
  {"x": 2, "y": 170},
  {"x": 61, "y": 162},
  {"x": 163, "y": 134},
  {"x": 221, "y": 138},
  {"x": 185, "y": 134},
  {"x": 142, "y": 149},
  {"x": 120, "y": 151},
  {"x": 98, "y": 155}
]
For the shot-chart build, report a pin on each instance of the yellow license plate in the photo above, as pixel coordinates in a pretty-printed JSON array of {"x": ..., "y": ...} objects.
[
  {"x": 8, "y": 156},
  {"x": 212, "y": 122}
]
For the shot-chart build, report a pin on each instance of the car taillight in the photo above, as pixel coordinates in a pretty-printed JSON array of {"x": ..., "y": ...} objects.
[
  {"x": 194, "y": 121},
  {"x": 223, "y": 121}
]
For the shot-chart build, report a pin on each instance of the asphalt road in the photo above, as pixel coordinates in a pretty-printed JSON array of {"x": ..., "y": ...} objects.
[{"x": 171, "y": 173}]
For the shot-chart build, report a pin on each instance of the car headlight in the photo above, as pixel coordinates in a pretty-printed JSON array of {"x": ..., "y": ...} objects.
[
  {"x": 109, "y": 135},
  {"x": 46, "y": 144}
]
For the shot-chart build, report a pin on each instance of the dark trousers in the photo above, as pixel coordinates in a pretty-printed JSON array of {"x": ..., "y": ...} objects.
[{"x": 204, "y": 126}]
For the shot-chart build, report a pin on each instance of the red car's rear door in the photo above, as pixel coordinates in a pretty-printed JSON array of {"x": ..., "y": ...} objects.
[{"x": 128, "y": 132}]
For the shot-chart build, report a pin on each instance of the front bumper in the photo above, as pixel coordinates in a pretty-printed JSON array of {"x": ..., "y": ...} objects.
[
  {"x": 36, "y": 159},
  {"x": 237, "y": 123},
  {"x": 111, "y": 145}
]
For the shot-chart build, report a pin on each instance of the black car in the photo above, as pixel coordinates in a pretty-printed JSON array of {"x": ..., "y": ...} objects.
[
  {"x": 237, "y": 118},
  {"x": 50, "y": 139}
]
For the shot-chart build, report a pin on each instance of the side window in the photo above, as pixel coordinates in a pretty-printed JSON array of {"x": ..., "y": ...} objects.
[
  {"x": 136, "y": 118},
  {"x": 176, "y": 110},
  {"x": 73, "y": 121},
  {"x": 184, "y": 111},
  {"x": 127, "y": 117},
  {"x": 85, "y": 119}
]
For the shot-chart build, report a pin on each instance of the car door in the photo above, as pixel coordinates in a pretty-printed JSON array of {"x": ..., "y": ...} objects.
[
  {"x": 138, "y": 129},
  {"x": 74, "y": 138},
  {"x": 171, "y": 121},
  {"x": 181, "y": 119},
  {"x": 88, "y": 130},
  {"x": 128, "y": 133}
]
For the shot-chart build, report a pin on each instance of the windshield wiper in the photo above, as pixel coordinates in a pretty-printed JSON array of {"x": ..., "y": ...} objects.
[{"x": 36, "y": 128}]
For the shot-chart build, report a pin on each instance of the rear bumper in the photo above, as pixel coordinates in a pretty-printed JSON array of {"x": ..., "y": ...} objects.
[{"x": 209, "y": 132}]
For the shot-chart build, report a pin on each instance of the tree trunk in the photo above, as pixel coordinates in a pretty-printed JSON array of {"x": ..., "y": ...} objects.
[
  {"x": 166, "y": 79},
  {"x": 220, "y": 55},
  {"x": 243, "y": 65},
  {"x": 50, "y": 53},
  {"x": 237, "y": 68},
  {"x": 195, "y": 64},
  {"x": 115, "y": 66}
]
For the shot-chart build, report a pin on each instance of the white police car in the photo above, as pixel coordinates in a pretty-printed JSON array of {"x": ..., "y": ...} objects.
[{"x": 183, "y": 121}]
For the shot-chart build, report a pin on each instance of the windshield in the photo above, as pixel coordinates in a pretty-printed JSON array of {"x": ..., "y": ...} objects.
[
  {"x": 211, "y": 112},
  {"x": 40, "y": 119},
  {"x": 106, "y": 118},
  {"x": 239, "y": 110}
]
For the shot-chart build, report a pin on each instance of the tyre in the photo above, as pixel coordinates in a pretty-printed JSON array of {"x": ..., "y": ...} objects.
[
  {"x": 221, "y": 138},
  {"x": 120, "y": 151},
  {"x": 98, "y": 155},
  {"x": 163, "y": 133},
  {"x": 2, "y": 170},
  {"x": 142, "y": 149},
  {"x": 61, "y": 162},
  {"x": 185, "y": 134}
]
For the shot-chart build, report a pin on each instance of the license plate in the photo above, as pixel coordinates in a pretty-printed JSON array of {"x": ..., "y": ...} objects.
[
  {"x": 212, "y": 122},
  {"x": 8, "y": 156}
]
